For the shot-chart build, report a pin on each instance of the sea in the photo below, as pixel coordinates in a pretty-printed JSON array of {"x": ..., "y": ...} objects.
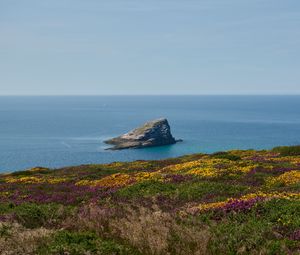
[{"x": 59, "y": 131}]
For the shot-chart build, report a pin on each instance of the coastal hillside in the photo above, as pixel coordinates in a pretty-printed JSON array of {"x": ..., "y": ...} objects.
[{"x": 235, "y": 202}]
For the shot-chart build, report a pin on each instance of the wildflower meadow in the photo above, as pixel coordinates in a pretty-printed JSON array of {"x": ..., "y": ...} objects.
[{"x": 235, "y": 202}]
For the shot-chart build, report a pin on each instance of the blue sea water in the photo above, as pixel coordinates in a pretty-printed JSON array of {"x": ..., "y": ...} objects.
[{"x": 64, "y": 131}]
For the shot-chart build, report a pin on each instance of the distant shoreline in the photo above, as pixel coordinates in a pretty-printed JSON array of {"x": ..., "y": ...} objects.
[{"x": 293, "y": 150}]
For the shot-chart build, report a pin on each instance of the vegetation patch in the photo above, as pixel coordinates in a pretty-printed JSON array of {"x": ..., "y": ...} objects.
[
  {"x": 235, "y": 202},
  {"x": 288, "y": 150},
  {"x": 66, "y": 242}
]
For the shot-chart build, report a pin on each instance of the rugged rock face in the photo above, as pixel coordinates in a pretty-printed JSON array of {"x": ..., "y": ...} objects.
[{"x": 153, "y": 133}]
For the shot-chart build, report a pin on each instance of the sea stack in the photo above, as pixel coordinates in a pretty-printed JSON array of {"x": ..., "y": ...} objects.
[{"x": 153, "y": 133}]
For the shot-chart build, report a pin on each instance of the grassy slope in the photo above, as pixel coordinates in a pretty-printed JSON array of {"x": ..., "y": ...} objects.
[{"x": 236, "y": 202}]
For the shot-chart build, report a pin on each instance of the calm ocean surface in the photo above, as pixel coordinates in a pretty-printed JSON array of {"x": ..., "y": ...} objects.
[{"x": 63, "y": 131}]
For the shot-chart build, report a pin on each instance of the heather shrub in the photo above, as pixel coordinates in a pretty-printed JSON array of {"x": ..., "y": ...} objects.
[
  {"x": 147, "y": 188},
  {"x": 254, "y": 178}
]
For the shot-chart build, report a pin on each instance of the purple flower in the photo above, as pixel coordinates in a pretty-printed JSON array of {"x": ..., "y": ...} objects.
[
  {"x": 64, "y": 193},
  {"x": 295, "y": 235},
  {"x": 177, "y": 178},
  {"x": 239, "y": 205}
]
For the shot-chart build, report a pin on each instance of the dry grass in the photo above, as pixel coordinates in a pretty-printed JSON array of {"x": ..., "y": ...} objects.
[
  {"x": 155, "y": 232},
  {"x": 150, "y": 230},
  {"x": 91, "y": 217},
  {"x": 16, "y": 240}
]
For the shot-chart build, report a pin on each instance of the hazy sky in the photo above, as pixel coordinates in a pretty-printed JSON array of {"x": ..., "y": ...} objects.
[{"x": 149, "y": 46}]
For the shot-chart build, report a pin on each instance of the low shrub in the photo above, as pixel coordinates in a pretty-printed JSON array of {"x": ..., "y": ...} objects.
[
  {"x": 32, "y": 215},
  {"x": 273, "y": 222},
  {"x": 198, "y": 190},
  {"x": 282, "y": 212},
  {"x": 226, "y": 155},
  {"x": 147, "y": 188},
  {"x": 287, "y": 150}
]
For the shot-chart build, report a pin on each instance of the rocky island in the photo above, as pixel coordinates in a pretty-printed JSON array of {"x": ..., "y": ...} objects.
[{"x": 153, "y": 133}]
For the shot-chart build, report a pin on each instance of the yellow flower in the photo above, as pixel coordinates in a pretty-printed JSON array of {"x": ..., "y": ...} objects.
[
  {"x": 38, "y": 169},
  {"x": 28, "y": 180},
  {"x": 4, "y": 193},
  {"x": 204, "y": 172},
  {"x": 209, "y": 206},
  {"x": 272, "y": 195},
  {"x": 182, "y": 167},
  {"x": 295, "y": 160},
  {"x": 211, "y": 167},
  {"x": 282, "y": 195},
  {"x": 33, "y": 180},
  {"x": 146, "y": 176},
  {"x": 113, "y": 180},
  {"x": 288, "y": 178}
]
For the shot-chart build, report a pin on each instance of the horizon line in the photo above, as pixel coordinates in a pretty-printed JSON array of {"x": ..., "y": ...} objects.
[{"x": 91, "y": 95}]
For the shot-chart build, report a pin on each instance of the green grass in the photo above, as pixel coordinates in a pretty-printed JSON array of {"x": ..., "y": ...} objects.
[
  {"x": 226, "y": 155},
  {"x": 199, "y": 190},
  {"x": 265, "y": 228},
  {"x": 66, "y": 242},
  {"x": 288, "y": 150}
]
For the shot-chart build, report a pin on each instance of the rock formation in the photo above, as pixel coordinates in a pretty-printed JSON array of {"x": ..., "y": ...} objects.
[{"x": 153, "y": 133}]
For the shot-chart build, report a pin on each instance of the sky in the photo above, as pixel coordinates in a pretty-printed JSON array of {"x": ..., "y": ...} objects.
[{"x": 149, "y": 47}]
